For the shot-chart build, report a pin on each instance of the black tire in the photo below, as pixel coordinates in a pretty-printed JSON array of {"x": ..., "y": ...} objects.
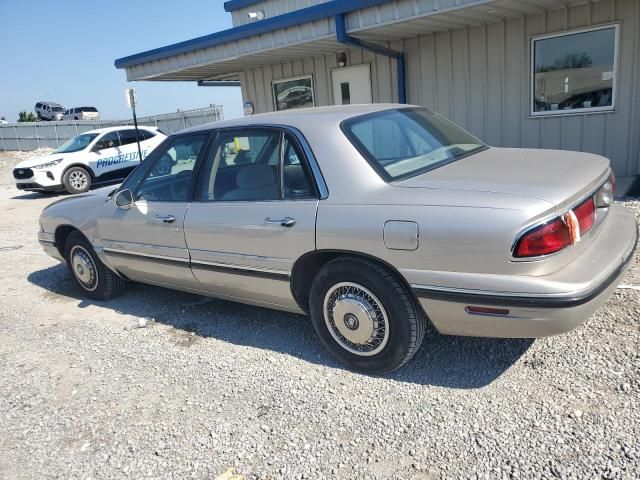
[
  {"x": 102, "y": 283},
  {"x": 406, "y": 320},
  {"x": 76, "y": 180}
]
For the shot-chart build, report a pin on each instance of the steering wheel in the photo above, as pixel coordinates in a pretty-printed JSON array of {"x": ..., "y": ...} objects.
[{"x": 177, "y": 190}]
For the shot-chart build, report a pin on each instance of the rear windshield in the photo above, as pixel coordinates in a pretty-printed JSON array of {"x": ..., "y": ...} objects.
[
  {"x": 404, "y": 142},
  {"x": 57, "y": 109},
  {"x": 89, "y": 109}
]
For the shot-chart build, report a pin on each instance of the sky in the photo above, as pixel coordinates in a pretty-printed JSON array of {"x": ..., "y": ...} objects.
[{"x": 63, "y": 51}]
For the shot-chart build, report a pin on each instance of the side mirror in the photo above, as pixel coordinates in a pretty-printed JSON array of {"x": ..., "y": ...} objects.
[{"x": 124, "y": 199}]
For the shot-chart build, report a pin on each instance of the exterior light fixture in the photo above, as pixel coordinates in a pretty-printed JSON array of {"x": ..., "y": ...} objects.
[
  {"x": 259, "y": 15},
  {"x": 248, "y": 108},
  {"x": 342, "y": 59}
]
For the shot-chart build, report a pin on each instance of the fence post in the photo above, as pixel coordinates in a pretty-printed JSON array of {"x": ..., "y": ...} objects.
[
  {"x": 15, "y": 131},
  {"x": 155, "y": 119},
  {"x": 76, "y": 124},
  {"x": 35, "y": 125},
  {"x": 4, "y": 147},
  {"x": 55, "y": 129}
]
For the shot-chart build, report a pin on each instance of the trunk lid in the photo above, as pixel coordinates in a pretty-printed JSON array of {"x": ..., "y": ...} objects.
[{"x": 558, "y": 177}]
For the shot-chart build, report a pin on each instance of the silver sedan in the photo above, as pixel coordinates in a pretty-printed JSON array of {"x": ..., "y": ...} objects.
[{"x": 372, "y": 219}]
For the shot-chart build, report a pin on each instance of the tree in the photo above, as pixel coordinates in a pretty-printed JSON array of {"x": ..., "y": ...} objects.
[
  {"x": 569, "y": 61},
  {"x": 26, "y": 117}
]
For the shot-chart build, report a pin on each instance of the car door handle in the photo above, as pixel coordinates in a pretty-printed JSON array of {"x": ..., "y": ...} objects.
[
  {"x": 165, "y": 218},
  {"x": 283, "y": 222}
]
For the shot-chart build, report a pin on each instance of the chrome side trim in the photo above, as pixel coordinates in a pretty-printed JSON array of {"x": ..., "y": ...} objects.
[
  {"x": 222, "y": 267},
  {"x": 242, "y": 269},
  {"x": 146, "y": 255}
]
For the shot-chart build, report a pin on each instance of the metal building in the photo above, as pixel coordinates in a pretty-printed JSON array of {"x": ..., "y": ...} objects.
[{"x": 523, "y": 73}]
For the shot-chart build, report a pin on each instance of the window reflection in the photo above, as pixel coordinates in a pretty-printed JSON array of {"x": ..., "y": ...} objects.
[
  {"x": 574, "y": 71},
  {"x": 294, "y": 93}
]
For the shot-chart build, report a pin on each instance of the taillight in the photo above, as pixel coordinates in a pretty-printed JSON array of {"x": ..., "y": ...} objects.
[
  {"x": 586, "y": 215},
  {"x": 544, "y": 240}
]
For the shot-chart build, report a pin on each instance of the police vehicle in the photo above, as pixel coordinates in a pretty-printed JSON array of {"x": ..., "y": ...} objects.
[{"x": 105, "y": 155}]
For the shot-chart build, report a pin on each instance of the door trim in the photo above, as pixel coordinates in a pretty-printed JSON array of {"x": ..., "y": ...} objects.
[{"x": 219, "y": 267}]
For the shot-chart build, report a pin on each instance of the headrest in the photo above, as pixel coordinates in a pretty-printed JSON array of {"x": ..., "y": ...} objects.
[{"x": 255, "y": 176}]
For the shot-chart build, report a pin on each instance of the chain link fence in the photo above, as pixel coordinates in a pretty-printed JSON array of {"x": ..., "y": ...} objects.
[{"x": 33, "y": 135}]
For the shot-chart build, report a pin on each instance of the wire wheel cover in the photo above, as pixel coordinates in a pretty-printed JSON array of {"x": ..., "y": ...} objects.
[{"x": 356, "y": 319}]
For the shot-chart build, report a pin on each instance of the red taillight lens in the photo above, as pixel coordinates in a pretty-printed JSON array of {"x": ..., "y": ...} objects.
[
  {"x": 586, "y": 214},
  {"x": 549, "y": 238}
]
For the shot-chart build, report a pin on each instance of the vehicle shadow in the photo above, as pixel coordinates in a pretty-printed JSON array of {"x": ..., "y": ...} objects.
[
  {"x": 38, "y": 195},
  {"x": 444, "y": 361}
]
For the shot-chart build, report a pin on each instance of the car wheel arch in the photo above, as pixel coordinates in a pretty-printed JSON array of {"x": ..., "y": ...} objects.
[
  {"x": 308, "y": 265},
  {"x": 62, "y": 233},
  {"x": 81, "y": 165}
]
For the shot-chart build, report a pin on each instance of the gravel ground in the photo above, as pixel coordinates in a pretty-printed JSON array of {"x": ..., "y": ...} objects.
[{"x": 209, "y": 385}]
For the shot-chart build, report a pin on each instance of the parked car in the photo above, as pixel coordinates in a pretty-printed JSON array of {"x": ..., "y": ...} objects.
[
  {"x": 49, "y": 111},
  {"x": 105, "y": 155},
  {"x": 81, "y": 113},
  {"x": 373, "y": 219},
  {"x": 3, "y": 120}
]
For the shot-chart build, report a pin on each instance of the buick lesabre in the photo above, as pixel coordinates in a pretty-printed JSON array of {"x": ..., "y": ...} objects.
[{"x": 373, "y": 220}]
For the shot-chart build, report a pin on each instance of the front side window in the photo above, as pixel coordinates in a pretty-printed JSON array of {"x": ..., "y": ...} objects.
[
  {"x": 77, "y": 143},
  {"x": 404, "y": 142},
  {"x": 170, "y": 176},
  {"x": 574, "y": 72},
  {"x": 293, "y": 93},
  {"x": 108, "y": 140}
]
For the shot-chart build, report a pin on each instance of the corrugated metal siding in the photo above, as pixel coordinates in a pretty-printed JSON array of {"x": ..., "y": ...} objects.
[
  {"x": 271, "y": 8},
  {"x": 479, "y": 77}
]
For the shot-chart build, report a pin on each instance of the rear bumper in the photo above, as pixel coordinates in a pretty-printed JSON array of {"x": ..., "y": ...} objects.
[{"x": 531, "y": 315}]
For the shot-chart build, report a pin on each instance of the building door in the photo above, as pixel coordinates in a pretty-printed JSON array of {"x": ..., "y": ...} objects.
[{"x": 351, "y": 85}]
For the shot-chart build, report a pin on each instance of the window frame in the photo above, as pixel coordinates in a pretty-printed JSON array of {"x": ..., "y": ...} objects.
[
  {"x": 283, "y": 132},
  {"x": 149, "y": 161},
  {"x": 575, "y": 111},
  {"x": 290, "y": 79}
]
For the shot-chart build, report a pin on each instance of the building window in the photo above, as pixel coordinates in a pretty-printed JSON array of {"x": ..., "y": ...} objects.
[
  {"x": 293, "y": 93},
  {"x": 574, "y": 72}
]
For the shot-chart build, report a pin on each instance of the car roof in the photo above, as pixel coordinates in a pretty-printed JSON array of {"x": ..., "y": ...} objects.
[
  {"x": 120, "y": 127},
  {"x": 300, "y": 116}
]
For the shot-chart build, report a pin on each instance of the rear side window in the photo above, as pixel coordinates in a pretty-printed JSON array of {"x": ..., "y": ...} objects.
[
  {"x": 404, "y": 142},
  {"x": 255, "y": 165},
  {"x": 129, "y": 136}
]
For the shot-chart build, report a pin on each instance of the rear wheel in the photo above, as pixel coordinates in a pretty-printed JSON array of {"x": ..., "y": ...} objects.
[
  {"x": 364, "y": 316},
  {"x": 76, "y": 180},
  {"x": 89, "y": 273}
]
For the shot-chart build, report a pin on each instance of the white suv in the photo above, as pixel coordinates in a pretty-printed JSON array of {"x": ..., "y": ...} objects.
[
  {"x": 81, "y": 113},
  {"x": 105, "y": 155}
]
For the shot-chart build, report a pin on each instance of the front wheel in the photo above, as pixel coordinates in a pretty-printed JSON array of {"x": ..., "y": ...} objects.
[
  {"x": 364, "y": 316},
  {"x": 89, "y": 273},
  {"x": 76, "y": 180}
]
